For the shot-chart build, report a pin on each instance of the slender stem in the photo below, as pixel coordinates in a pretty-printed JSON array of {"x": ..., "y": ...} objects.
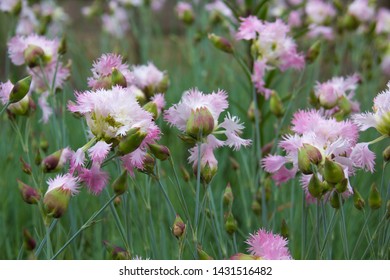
[
  {"x": 43, "y": 242},
  {"x": 366, "y": 219},
  {"x": 327, "y": 232},
  {"x": 303, "y": 225},
  {"x": 197, "y": 195},
  {"x": 83, "y": 227},
  {"x": 171, "y": 207},
  {"x": 380, "y": 224},
  {"x": 344, "y": 229},
  {"x": 49, "y": 249}
]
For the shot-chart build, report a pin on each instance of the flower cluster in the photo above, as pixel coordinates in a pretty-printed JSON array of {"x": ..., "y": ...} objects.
[
  {"x": 272, "y": 47},
  {"x": 196, "y": 116},
  {"x": 320, "y": 148}
]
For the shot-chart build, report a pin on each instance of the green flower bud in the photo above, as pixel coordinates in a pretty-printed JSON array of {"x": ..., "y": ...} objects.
[
  {"x": 342, "y": 186},
  {"x": 179, "y": 227},
  {"x": 131, "y": 141},
  {"x": 313, "y": 52},
  {"x": 149, "y": 164},
  {"x": 20, "y": 89},
  {"x": 62, "y": 48},
  {"x": 386, "y": 154},
  {"x": 333, "y": 172},
  {"x": 276, "y": 105},
  {"x": 29, "y": 194},
  {"x": 33, "y": 55},
  {"x": 308, "y": 155},
  {"x": 221, "y": 43},
  {"x": 55, "y": 161},
  {"x": 38, "y": 157},
  {"x": 358, "y": 200},
  {"x": 187, "y": 17},
  {"x": 203, "y": 255},
  {"x": 374, "y": 198},
  {"x": 56, "y": 202},
  {"x": 28, "y": 241},
  {"x": 117, "y": 78},
  {"x": 200, "y": 122},
  {"x": 230, "y": 224},
  {"x": 26, "y": 168},
  {"x": 315, "y": 187},
  {"x": 120, "y": 184},
  {"x": 335, "y": 200},
  {"x": 187, "y": 139},
  {"x": 244, "y": 257},
  {"x": 207, "y": 172},
  {"x": 228, "y": 196},
  {"x": 116, "y": 253},
  {"x": 159, "y": 151},
  {"x": 384, "y": 124},
  {"x": 22, "y": 107},
  {"x": 151, "y": 107}
]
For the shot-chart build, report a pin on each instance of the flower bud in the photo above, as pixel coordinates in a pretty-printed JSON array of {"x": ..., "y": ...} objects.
[
  {"x": 230, "y": 224},
  {"x": 120, "y": 184},
  {"x": 374, "y": 198},
  {"x": 149, "y": 163},
  {"x": 151, "y": 107},
  {"x": 117, "y": 78},
  {"x": 17, "y": 8},
  {"x": 38, "y": 157},
  {"x": 62, "y": 48},
  {"x": 345, "y": 105},
  {"x": 384, "y": 124},
  {"x": 185, "y": 174},
  {"x": 228, "y": 196},
  {"x": 26, "y": 168},
  {"x": 20, "y": 89},
  {"x": 116, "y": 252},
  {"x": 131, "y": 141},
  {"x": 358, "y": 200},
  {"x": 308, "y": 155},
  {"x": 207, "y": 172},
  {"x": 315, "y": 186},
  {"x": 276, "y": 105},
  {"x": 56, "y": 202},
  {"x": 28, "y": 241},
  {"x": 200, "y": 122},
  {"x": 185, "y": 13},
  {"x": 349, "y": 22},
  {"x": 328, "y": 97},
  {"x": 203, "y": 255},
  {"x": 117, "y": 201},
  {"x": 43, "y": 143},
  {"x": 179, "y": 227},
  {"x": 244, "y": 257},
  {"x": 55, "y": 161},
  {"x": 160, "y": 151},
  {"x": 187, "y": 139},
  {"x": 221, "y": 43},
  {"x": 342, "y": 186},
  {"x": 22, "y": 107},
  {"x": 29, "y": 194},
  {"x": 333, "y": 172},
  {"x": 33, "y": 55},
  {"x": 284, "y": 229},
  {"x": 313, "y": 52},
  {"x": 163, "y": 85},
  {"x": 335, "y": 200},
  {"x": 386, "y": 154}
]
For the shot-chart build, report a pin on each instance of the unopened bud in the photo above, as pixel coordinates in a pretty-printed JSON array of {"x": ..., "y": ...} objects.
[
  {"x": 179, "y": 227},
  {"x": 276, "y": 105},
  {"x": 62, "y": 48},
  {"x": 33, "y": 55},
  {"x": 284, "y": 229},
  {"x": 26, "y": 168},
  {"x": 203, "y": 255},
  {"x": 207, "y": 172},
  {"x": 244, "y": 257},
  {"x": 151, "y": 107},
  {"x": 43, "y": 143},
  {"x": 383, "y": 125},
  {"x": 342, "y": 186},
  {"x": 20, "y": 89},
  {"x": 345, "y": 105},
  {"x": 228, "y": 196},
  {"x": 117, "y": 78},
  {"x": 386, "y": 154},
  {"x": 328, "y": 98},
  {"x": 333, "y": 172},
  {"x": 313, "y": 52},
  {"x": 56, "y": 202},
  {"x": 22, "y": 107},
  {"x": 28, "y": 240},
  {"x": 117, "y": 201},
  {"x": 308, "y": 155},
  {"x": 349, "y": 22},
  {"x": 131, "y": 141},
  {"x": 358, "y": 200},
  {"x": 55, "y": 161},
  {"x": 38, "y": 157},
  {"x": 200, "y": 122},
  {"x": 116, "y": 253},
  {"x": 187, "y": 139},
  {"x": 230, "y": 224},
  {"x": 335, "y": 200},
  {"x": 17, "y": 8},
  {"x": 120, "y": 184},
  {"x": 29, "y": 194},
  {"x": 315, "y": 186},
  {"x": 221, "y": 43},
  {"x": 148, "y": 165},
  {"x": 374, "y": 198},
  {"x": 159, "y": 151}
]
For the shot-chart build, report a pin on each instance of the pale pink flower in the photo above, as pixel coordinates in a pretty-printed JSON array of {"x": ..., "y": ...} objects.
[
  {"x": 182, "y": 8},
  {"x": 219, "y": 8},
  {"x": 249, "y": 28},
  {"x": 147, "y": 76},
  {"x": 5, "y": 91},
  {"x": 259, "y": 69},
  {"x": 116, "y": 23},
  {"x": 295, "y": 2},
  {"x": 99, "y": 152},
  {"x": 95, "y": 178},
  {"x": 385, "y": 64},
  {"x": 18, "y": 44},
  {"x": 77, "y": 160},
  {"x": 8, "y": 5},
  {"x": 28, "y": 22},
  {"x": 157, "y": 5},
  {"x": 64, "y": 182},
  {"x": 134, "y": 160},
  {"x": 383, "y": 21},
  {"x": 295, "y": 18},
  {"x": 233, "y": 128},
  {"x": 42, "y": 80},
  {"x": 103, "y": 67},
  {"x": 206, "y": 156},
  {"x": 321, "y": 31},
  {"x": 159, "y": 100},
  {"x": 47, "y": 111},
  {"x": 361, "y": 10},
  {"x": 268, "y": 246},
  {"x": 319, "y": 12},
  {"x": 362, "y": 157},
  {"x": 379, "y": 118}
]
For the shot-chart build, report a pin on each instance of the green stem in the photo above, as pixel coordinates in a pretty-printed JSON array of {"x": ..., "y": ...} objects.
[
  {"x": 344, "y": 229},
  {"x": 83, "y": 227}
]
